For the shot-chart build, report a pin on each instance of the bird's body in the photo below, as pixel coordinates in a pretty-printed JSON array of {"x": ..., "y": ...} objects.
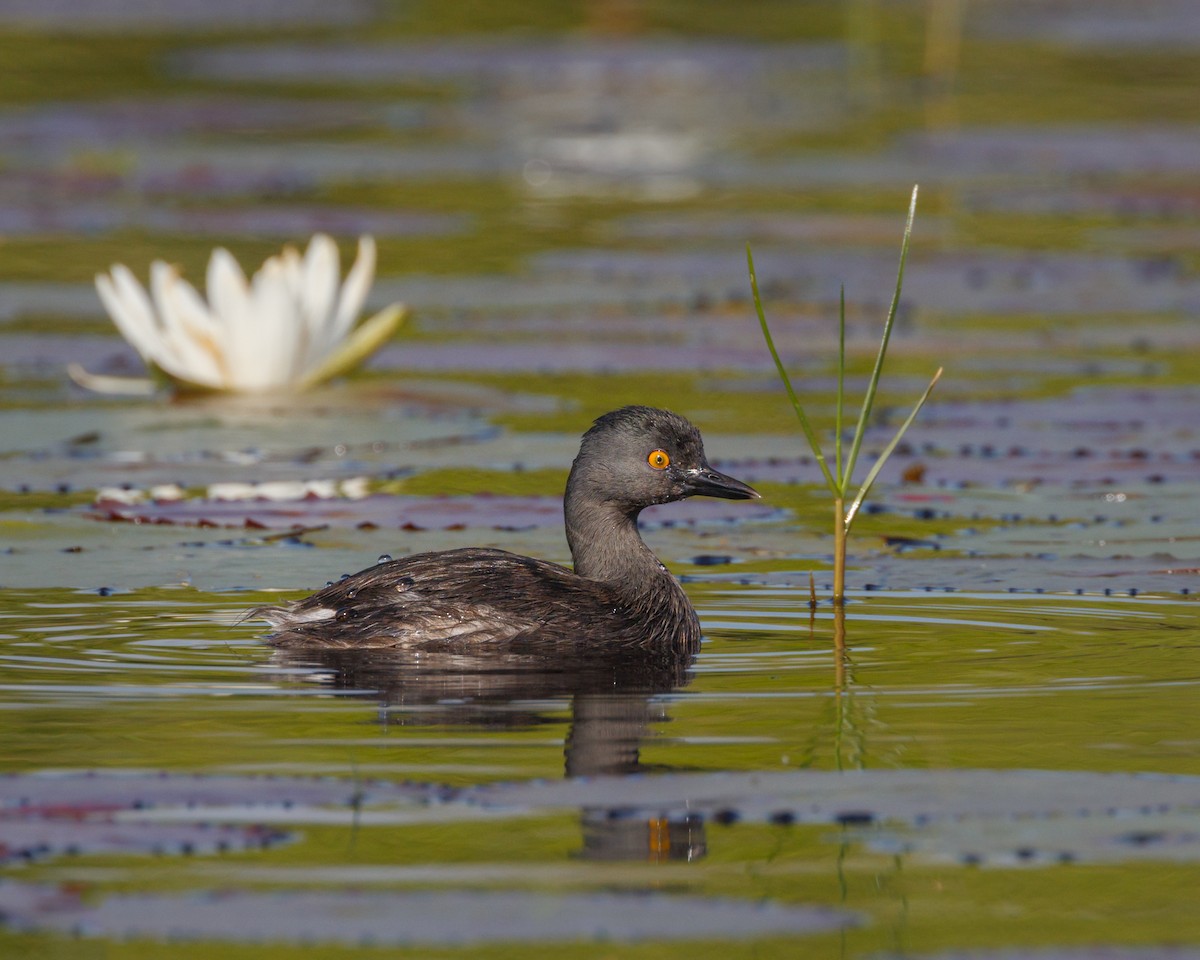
[
  {"x": 515, "y": 601},
  {"x": 618, "y": 595}
]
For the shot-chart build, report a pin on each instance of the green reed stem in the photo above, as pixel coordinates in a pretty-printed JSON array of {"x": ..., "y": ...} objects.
[
  {"x": 839, "y": 480},
  {"x": 873, "y": 384},
  {"x": 809, "y": 433},
  {"x": 841, "y": 387},
  {"x": 887, "y": 452}
]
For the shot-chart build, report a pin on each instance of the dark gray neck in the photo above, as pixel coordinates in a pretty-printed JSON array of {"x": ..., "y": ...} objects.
[{"x": 606, "y": 545}]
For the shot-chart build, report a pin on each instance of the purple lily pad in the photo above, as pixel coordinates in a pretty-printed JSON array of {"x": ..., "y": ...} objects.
[
  {"x": 972, "y": 817},
  {"x": 293, "y": 221},
  {"x": 409, "y": 917},
  {"x": 568, "y": 356},
  {"x": 1087, "y": 439},
  {"x": 85, "y": 793},
  {"x": 96, "y": 124},
  {"x": 862, "y": 796},
  {"x": 971, "y": 283},
  {"x": 633, "y": 63},
  {"x": 481, "y": 511},
  {"x": 1092, "y": 952},
  {"x": 1095, "y": 952},
  {"x": 36, "y": 838},
  {"x": 53, "y": 814},
  {"x": 1150, "y": 25},
  {"x": 103, "y": 16},
  {"x": 49, "y": 814}
]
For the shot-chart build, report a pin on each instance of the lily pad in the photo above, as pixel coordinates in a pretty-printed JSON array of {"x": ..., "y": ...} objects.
[
  {"x": 450, "y": 918},
  {"x": 481, "y": 511},
  {"x": 27, "y": 839},
  {"x": 915, "y": 797},
  {"x": 80, "y": 793}
]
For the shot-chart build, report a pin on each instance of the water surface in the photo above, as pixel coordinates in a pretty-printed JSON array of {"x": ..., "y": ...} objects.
[{"x": 563, "y": 196}]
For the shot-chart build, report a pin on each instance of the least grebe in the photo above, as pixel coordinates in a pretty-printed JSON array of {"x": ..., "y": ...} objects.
[{"x": 619, "y": 594}]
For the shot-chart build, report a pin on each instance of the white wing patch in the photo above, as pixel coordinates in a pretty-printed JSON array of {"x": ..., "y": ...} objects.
[{"x": 308, "y": 616}]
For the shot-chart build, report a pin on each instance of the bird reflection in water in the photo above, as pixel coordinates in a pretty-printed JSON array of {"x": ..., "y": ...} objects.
[{"x": 614, "y": 702}]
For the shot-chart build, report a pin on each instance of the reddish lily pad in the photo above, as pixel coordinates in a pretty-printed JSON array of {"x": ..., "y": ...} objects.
[
  {"x": 28, "y": 839},
  {"x": 481, "y": 511}
]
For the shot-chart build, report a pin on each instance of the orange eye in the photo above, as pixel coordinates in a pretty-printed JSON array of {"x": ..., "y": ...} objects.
[{"x": 659, "y": 460}]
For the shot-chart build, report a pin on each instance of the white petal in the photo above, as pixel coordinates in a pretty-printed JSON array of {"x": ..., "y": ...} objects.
[
  {"x": 293, "y": 272},
  {"x": 189, "y": 332},
  {"x": 319, "y": 292},
  {"x": 226, "y": 283},
  {"x": 230, "y": 299},
  {"x": 130, "y": 309},
  {"x": 279, "y": 337},
  {"x": 288, "y": 326},
  {"x": 114, "y": 386},
  {"x": 355, "y": 289},
  {"x": 368, "y": 337},
  {"x": 193, "y": 312}
]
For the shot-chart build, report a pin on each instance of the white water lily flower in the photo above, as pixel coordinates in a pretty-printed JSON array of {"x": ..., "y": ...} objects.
[{"x": 289, "y": 327}]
